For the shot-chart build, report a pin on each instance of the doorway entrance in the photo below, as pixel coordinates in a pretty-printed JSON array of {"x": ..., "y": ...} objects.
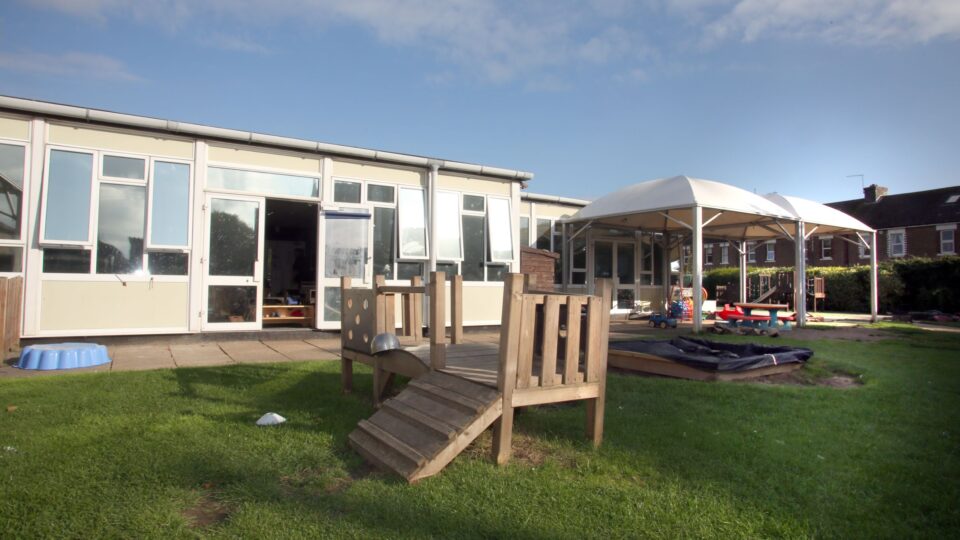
[
  {"x": 290, "y": 263},
  {"x": 346, "y": 237},
  {"x": 616, "y": 259}
]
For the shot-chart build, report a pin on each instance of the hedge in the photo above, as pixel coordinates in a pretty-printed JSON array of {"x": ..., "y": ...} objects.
[{"x": 913, "y": 284}]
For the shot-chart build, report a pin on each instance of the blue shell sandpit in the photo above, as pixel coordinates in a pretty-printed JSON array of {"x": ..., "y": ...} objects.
[{"x": 62, "y": 356}]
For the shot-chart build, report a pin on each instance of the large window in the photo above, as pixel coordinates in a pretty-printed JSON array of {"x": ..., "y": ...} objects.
[
  {"x": 725, "y": 253},
  {"x": 826, "y": 248},
  {"x": 448, "y": 226},
  {"x": 751, "y": 252},
  {"x": 771, "y": 251},
  {"x": 500, "y": 230},
  {"x": 141, "y": 219},
  {"x": 413, "y": 224},
  {"x": 487, "y": 238},
  {"x": 12, "y": 162},
  {"x": 948, "y": 234},
  {"x": 708, "y": 254},
  {"x": 897, "y": 243},
  {"x": 284, "y": 185}
]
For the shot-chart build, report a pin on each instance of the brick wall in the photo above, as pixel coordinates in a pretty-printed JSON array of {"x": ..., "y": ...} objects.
[{"x": 541, "y": 264}]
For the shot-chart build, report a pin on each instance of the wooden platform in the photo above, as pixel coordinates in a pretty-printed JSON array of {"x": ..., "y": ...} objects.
[
  {"x": 418, "y": 432},
  {"x": 656, "y": 365}
]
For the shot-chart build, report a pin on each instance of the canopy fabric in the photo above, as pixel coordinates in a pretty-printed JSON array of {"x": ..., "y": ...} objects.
[
  {"x": 826, "y": 219},
  {"x": 742, "y": 214}
]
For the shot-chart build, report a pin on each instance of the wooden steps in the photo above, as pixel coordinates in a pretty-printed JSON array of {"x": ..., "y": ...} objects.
[{"x": 418, "y": 432}]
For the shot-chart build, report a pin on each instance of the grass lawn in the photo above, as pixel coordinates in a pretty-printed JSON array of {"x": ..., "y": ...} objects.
[{"x": 175, "y": 453}]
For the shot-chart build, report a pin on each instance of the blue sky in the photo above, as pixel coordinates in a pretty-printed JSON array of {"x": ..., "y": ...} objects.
[{"x": 769, "y": 95}]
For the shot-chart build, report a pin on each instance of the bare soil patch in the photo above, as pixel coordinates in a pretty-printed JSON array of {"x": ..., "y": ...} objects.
[
  {"x": 208, "y": 511},
  {"x": 849, "y": 333},
  {"x": 799, "y": 378}
]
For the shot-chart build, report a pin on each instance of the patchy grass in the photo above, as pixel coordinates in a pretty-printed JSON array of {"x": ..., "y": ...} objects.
[{"x": 176, "y": 454}]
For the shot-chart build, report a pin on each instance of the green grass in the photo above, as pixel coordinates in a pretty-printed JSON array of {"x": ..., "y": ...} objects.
[{"x": 127, "y": 454}]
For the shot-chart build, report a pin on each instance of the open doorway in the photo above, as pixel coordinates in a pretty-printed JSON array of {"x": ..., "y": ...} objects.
[{"x": 290, "y": 263}]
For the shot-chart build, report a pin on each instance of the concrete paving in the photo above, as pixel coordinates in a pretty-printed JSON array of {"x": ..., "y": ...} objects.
[
  {"x": 300, "y": 350},
  {"x": 250, "y": 352},
  {"x": 199, "y": 354}
]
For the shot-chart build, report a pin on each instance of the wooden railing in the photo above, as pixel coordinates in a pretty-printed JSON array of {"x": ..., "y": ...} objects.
[
  {"x": 553, "y": 347},
  {"x": 11, "y": 306}
]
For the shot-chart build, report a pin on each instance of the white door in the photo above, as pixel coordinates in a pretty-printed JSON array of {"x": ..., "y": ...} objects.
[
  {"x": 233, "y": 266},
  {"x": 344, "y": 240}
]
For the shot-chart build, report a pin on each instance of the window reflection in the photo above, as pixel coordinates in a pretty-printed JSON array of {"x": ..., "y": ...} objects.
[
  {"x": 67, "y": 211},
  {"x": 11, "y": 190},
  {"x": 234, "y": 230},
  {"x": 120, "y": 229},
  {"x": 262, "y": 182},
  {"x": 170, "y": 204}
]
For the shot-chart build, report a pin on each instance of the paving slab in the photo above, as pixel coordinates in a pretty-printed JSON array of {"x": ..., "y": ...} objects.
[
  {"x": 250, "y": 352},
  {"x": 331, "y": 346},
  {"x": 299, "y": 350},
  {"x": 140, "y": 357},
  {"x": 199, "y": 354}
]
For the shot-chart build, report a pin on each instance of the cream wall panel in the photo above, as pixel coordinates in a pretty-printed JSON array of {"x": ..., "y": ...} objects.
[
  {"x": 14, "y": 128},
  {"x": 90, "y": 305},
  {"x": 379, "y": 173},
  {"x": 121, "y": 142},
  {"x": 475, "y": 185},
  {"x": 524, "y": 208},
  {"x": 264, "y": 159},
  {"x": 482, "y": 304},
  {"x": 547, "y": 210}
]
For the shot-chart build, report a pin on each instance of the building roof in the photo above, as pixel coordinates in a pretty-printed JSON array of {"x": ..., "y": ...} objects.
[
  {"x": 816, "y": 214},
  {"x": 906, "y": 209},
  {"x": 108, "y": 118}
]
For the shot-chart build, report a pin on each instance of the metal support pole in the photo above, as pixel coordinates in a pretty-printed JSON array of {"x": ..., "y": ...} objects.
[
  {"x": 800, "y": 276},
  {"x": 874, "y": 278},
  {"x": 743, "y": 270},
  {"x": 696, "y": 262}
]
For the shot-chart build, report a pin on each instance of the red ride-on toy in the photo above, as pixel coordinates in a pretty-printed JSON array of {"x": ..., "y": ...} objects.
[{"x": 662, "y": 321}]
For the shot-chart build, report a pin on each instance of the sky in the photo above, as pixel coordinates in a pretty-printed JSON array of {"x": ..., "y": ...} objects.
[{"x": 792, "y": 96}]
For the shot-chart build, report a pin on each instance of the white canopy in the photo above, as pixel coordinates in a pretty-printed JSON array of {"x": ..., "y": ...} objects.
[
  {"x": 827, "y": 219},
  {"x": 728, "y": 210}
]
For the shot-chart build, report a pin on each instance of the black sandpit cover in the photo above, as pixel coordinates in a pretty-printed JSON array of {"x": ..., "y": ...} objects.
[{"x": 715, "y": 356}]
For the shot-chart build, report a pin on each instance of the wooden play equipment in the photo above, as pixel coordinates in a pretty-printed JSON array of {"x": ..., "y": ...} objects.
[
  {"x": 819, "y": 291},
  {"x": 553, "y": 348},
  {"x": 365, "y": 313}
]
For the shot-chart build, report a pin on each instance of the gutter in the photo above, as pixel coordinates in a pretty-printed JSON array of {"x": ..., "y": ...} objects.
[
  {"x": 97, "y": 116},
  {"x": 536, "y": 197}
]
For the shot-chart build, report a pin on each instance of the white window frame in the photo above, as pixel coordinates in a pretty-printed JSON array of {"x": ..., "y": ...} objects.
[
  {"x": 952, "y": 229},
  {"x": 269, "y": 170},
  {"x": 825, "y": 241},
  {"x": 148, "y": 244},
  {"x": 751, "y": 252},
  {"x": 91, "y": 211},
  {"x": 864, "y": 250},
  {"x": 363, "y": 191},
  {"x": 771, "y": 251},
  {"x": 708, "y": 254},
  {"x": 426, "y": 228},
  {"x": 24, "y": 201},
  {"x": 902, "y": 233},
  {"x": 509, "y": 224},
  {"x": 104, "y": 154},
  {"x": 724, "y": 253}
]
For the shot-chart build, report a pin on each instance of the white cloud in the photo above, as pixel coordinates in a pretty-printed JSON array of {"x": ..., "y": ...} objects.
[
  {"x": 70, "y": 64},
  {"x": 861, "y": 22}
]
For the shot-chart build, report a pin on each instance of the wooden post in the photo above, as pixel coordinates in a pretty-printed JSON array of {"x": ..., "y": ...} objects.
[
  {"x": 529, "y": 283},
  {"x": 456, "y": 309},
  {"x": 507, "y": 372},
  {"x": 381, "y": 309},
  {"x": 595, "y": 407},
  {"x": 416, "y": 309},
  {"x": 438, "y": 321},
  {"x": 346, "y": 365}
]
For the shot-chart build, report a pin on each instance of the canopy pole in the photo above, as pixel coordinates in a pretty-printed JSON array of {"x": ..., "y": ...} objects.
[
  {"x": 874, "y": 278},
  {"x": 665, "y": 269},
  {"x": 743, "y": 270},
  {"x": 696, "y": 261},
  {"x": 564, "y": 259},
  {"x": 800, "y": 276}
]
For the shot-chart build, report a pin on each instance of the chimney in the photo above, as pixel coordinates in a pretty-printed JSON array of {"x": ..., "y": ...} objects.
[{"x": 874, "y": 193}]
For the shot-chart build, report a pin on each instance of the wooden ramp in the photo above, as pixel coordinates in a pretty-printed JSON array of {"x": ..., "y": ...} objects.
[{"x": 418, "y": 432}]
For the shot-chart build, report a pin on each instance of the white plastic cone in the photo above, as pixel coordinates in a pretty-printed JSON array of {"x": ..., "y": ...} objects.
[{"x": 271, "y": 419}]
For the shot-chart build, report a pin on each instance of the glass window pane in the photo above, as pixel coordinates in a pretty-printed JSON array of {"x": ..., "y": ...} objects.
[
  {"x": 234, "y": 237},
  {"x": 331, "y": 304},
  {"x": 473, "y": 203},
  {"x": 603, "y": 259},
  {"x": 413, "y": 226},
  {"x": 170, "y": 207},
  {"x": 625, "y": 298},
  {"x": 67, "y": 211},
  {"x": 346, "y": 246},
  {"x": 384, "y": 232},
  {"x": 377, "y": 193},
  {"x": 120, "y": 227},
  {"x": 263, "y": 182},
  {"x": 625, "y": 263},
  {"x": 578, "y": 278},
  {"x": 473, "y": 258},
  {"x": 11, "y": 259},
  {"x": 449, "y": 269},
  {"x": 501, "y": 230},
  {"x": 524, "y": 231},
  {"x": 11, "y": 190},
  {"x": 348, "y": 192},
  {"x": 123, "y": 167},
  {"x": 66, "y": 261},
  {"x": 231, "y": 304},
  {"x": 579, "y": 252},
  {"x": 557, "y": 236},
  {"x": 407, "y": 270},
  {"x": 448, "y": 221},
  {"x": 496, "y": 272},
  {"x": 168, "y": 264},
  {"x": 543, "y": 234}
]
